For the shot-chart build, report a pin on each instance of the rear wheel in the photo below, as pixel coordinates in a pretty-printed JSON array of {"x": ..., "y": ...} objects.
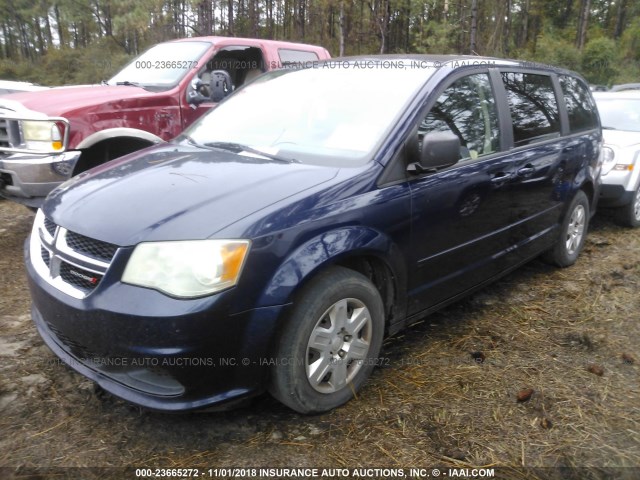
[
  {"x": 573, "y": 233},
  {"x": 330, "y": 343},
  {"x": 629, "y": 215}
]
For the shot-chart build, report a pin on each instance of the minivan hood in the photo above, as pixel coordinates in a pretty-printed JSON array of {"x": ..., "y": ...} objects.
[
  {"x": 175, "y": 193},
  {"x": 620, "y": 138},
  {"x": 56, "y": 102}
]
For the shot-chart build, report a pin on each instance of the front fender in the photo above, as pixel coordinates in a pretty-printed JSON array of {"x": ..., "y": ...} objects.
[
  {"x": 331, "y": 247},
  {"x": 120, "y": 132}
]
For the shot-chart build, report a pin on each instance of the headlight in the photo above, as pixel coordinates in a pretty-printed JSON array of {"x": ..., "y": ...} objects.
[
  {"x": 608, "y": 157},
  {"x": 623, "y": 167},
  {"x": 41, "y": 135},
  {"x": 187, "y": 269}
]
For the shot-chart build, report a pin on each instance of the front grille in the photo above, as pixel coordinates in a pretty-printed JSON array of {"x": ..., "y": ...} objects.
[
  {"x": 50, "y": 226},
  {"x": 77, "y": 349},
  {"x": 4, "y": 133},
  {"x": 71, "y": 262},
  {"x": 79, "y": 277},
  {"x": 88, "y": 246},
  {"x": 46, "y": 256},
  {"x": 10, "y": 136}
]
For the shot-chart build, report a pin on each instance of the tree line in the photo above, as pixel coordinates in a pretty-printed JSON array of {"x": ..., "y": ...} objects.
[{"x": 79, "y": 41}]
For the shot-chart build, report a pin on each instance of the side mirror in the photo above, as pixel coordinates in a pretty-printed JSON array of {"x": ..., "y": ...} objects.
[
  {"x": 221, "y": 85},
  {"x": 439, "y": 150}
]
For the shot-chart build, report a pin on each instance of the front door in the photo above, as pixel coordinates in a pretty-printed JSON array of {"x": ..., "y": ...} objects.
[{"x": 461, "y": 215}]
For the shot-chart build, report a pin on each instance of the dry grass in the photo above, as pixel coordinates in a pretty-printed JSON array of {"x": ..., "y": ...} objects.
[{"x": 447, "y": 394}]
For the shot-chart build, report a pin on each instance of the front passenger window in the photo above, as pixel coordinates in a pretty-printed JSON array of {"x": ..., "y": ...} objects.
[{"x": 467, "y": 108}]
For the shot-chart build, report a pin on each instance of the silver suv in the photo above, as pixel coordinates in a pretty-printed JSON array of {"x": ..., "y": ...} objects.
[{"x": 620, "y": 117}]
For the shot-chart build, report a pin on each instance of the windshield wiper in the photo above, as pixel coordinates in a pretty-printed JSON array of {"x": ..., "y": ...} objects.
[
  {"x": 236, "y": 148},
  {"x": 127, "y": 83},
  {"x": 239, "y": 147},
  {"x": 608, "y": 128},
  {"x": 191, "y": 141}
]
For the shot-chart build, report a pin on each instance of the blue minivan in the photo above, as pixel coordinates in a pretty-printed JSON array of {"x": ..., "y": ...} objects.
[{"x": 274, "y": 244}]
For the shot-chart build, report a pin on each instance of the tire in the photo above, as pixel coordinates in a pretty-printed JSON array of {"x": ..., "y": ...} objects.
[
  {"x": 629, "y": 215},
  {"x": 324, "y": 356},
  {"x": 573, "y": 233}
]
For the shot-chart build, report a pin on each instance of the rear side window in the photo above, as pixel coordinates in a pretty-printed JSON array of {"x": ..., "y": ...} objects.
[
  {"x": 580, "y": 106},
  {"x": 533, "y": 106},
  {"x": 288, "y": 56},
  {"x": 468, "y": 109}
]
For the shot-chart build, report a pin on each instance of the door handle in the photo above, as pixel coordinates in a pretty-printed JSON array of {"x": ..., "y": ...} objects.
[
  {"x": 526, "y": 171},
  {"x": 501, "y": 177}
]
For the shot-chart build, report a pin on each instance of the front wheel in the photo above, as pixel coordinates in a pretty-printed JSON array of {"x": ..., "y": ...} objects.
[
  {"x": 573, "y": 233},
  {"x": 330, "y": 343},
  {"x": 629, "y": 215}
]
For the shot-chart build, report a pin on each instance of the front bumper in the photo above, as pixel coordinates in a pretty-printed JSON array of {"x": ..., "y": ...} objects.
[
  {"x": 618, "y": 187},
  {"x": 28, "y": 178},
  {"x": 615, "y": 195},
  {"x": 158, "y": 352}
]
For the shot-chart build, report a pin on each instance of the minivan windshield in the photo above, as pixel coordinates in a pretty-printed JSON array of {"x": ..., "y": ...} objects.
[
  {"x": 162, "y": 66},
  {"x": 619, "y": 113},
  {"x": 332, "y": 114}
]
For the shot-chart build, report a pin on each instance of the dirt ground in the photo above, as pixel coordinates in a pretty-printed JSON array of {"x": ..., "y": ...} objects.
[{"x": 447, "y": 396}]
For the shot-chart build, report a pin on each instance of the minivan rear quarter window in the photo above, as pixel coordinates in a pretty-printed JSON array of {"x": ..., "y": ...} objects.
[
  {"x": 580, "y": 107},
  {"x": 533, "y": 106}
]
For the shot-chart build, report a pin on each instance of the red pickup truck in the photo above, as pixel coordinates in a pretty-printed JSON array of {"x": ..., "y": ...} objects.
[{"x": 46, "y": 137}]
